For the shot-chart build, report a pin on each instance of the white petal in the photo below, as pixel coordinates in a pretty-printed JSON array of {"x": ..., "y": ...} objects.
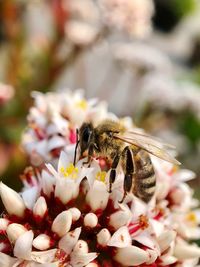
[
  {"x": 156, "y": 226},
  {"x": 40, "y": 207},
  {"x": 80, "y": 260},
  {"x": 153, "y": 255},
  {"x": 41, "y": 148},
  {"x": 14, "y": 231},
  {"x": 121, "y": 238},
  {"x": 147, "y": 240},
  {"x": 103, "y": 237},
  {"x": 23, "y": 246},
  {"x": 68, "y": 241},
  {"x": 47, "y": 256},
  {"x": 56, "y": 142},
  {"x": 138, "y": 208},
  {"x": 63, "y": 161},
  {"x": 52, "y": 170},
  {"x": 90, "y": 220},
  {"x": 131, "y": 256},
  {"x": 165, "y": 239},
  {"x": 66, "y": 189},
  {"x": 184, "y": 175},
  {"x": 97, "y": 197},
  {"x": 47, "y": 182},
  {"x": 62, "y": 223},
  {"x": 6, "y": 261},
  {"x": 185, "y": 251},
  {"x": 29, "y": 196},
  {"x": 12, "y": 201},
  {"x": 42, "y": 242}
]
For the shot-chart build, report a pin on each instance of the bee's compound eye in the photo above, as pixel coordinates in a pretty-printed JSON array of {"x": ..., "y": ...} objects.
[{"x": 86, "y": 135}]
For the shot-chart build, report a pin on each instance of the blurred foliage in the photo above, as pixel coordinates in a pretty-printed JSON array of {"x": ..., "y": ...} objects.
[{"x": 168, "y": 13}]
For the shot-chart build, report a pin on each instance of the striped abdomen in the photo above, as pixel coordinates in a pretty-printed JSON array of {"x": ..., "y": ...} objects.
[{"x": 144, "y": 177}]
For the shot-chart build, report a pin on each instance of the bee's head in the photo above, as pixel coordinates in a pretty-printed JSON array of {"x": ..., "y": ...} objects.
[{"x": 85, "y": 135}]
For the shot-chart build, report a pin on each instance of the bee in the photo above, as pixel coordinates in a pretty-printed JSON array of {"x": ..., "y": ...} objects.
[{"x": 110, "y": 139}]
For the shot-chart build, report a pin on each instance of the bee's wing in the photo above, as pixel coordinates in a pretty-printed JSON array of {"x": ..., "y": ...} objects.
[
  {"x": 148, "y": 144},
  {"x": 148, "y": 138}
]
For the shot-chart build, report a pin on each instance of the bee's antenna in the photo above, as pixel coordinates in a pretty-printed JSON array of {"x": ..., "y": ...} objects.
[{"x": 77, "y": 142}]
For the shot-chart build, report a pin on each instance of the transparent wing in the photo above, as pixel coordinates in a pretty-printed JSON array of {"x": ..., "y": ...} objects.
[{"x": 149, "y": 144}]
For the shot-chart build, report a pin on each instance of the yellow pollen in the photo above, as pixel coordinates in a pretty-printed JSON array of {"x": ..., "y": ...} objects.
[
  {"x": 192, "y": 218},
  {"x": 82, "y": 104},
  {"x": 70, "y": 170},
  {"x": 101, "y": 176},
  {"x": 143, "y": 222}
]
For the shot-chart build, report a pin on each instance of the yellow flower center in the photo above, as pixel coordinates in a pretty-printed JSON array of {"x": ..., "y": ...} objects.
[
  {"x": 70, "y": 170},
  {"x": 82, "y": 104},
  {"x": 191, "y": 217},
  {"x": 101, "y": 176}
]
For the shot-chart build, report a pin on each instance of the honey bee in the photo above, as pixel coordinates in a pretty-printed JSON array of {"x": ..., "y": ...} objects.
[{"x": 110, "y": 139}]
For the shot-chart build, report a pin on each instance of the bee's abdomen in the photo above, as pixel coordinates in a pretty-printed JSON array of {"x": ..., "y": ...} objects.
[{"x": 145, "y": 182}]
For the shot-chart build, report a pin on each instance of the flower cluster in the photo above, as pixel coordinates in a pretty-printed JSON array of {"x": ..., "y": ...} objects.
[
  {"x": 90, "y": 19},
  {"x": 130, "y": 16},
  {"x": 53, "y": 121},
  {"x": 65, "y": 216}
]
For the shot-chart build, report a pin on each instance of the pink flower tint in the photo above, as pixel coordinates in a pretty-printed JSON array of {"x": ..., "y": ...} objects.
[{"x": 72, "y": 136}]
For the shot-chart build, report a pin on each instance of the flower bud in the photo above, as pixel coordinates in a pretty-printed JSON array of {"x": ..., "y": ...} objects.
[
  {"x": 90, "y": 220},
  {"x": 40, "y": 207},
  {"x": 120, "y": 218},
  {"x": 15, "y": 230},
  {"x": 62, "y": 223},
  {"x": 42, "y": 242},
  {"x": 131, "y": 256},
  {"x": 12, "y": 201},
  {"x": 103, "y": 237},
  {"x": 76, "y": 214},
  {"x": 68, "y": 241},
  {"x": 81, "y": 247},
  {"x": 92, "y": 264}
]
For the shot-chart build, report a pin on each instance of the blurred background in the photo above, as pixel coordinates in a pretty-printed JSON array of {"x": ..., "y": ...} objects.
[{"x": 141, "y": 56}]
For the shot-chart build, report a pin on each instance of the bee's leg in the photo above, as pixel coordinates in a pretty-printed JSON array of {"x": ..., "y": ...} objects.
[
  {"x": 129, "y": 170},
  {"x": 113, "y": 171},
  {"x": 89, "y": 158},
  {"x": 76, "y": 147}
]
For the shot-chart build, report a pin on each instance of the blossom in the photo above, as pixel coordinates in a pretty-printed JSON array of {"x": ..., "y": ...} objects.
[{"x": 53, "y": 120}]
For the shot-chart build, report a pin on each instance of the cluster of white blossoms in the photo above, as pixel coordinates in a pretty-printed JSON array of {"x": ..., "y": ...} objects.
[
  {"x": 65, "y": 216},
  {"x": 89, "y": 19},
  {"x": 53, "y": 120}
]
